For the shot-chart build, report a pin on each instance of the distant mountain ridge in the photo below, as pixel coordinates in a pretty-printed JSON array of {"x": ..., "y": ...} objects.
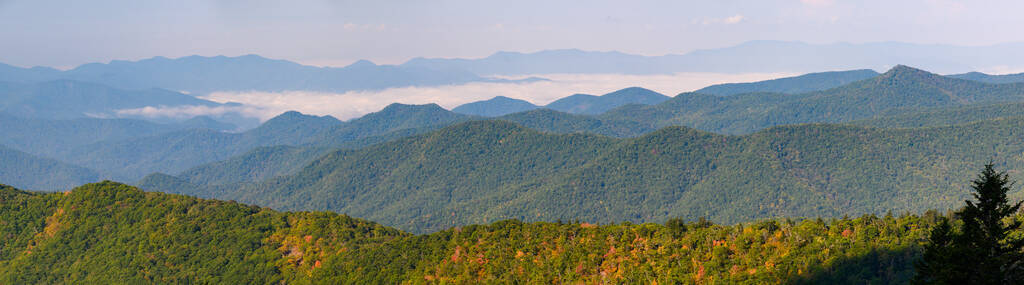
[
  {"x": 199, "y": 74},
  {"x": 792, "y": 85},
  {"x": 988, "y": 78},
  {"x": 33, "y": 172},
  {"x": 497, "y": 106},
  {"x": 900, "y": 90},
  {"x": 66, "y": 99},
  {"x": 592, "y": 105},
  {"x": 746, "y": 57},
  {"x": 574, "y": 104}
]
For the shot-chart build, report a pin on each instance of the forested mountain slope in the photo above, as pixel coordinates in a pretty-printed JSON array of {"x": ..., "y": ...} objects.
[
  {"x": 946, "y": 116},
  {"x": 113, "y": 233},
  {"x": 484, "y": 171},
  {"x": 33, "y": 172},
  {"x": 792, "y": 85},
  {"x": 575, "y": 104},
  {"x": 68, "y": 99},
  {"x": 494, "y": 107},
  {"x": 901, "y": 88},
  {"x": 900, "y": 91},
  {"x": 592, "y": 105},
  {"x": 989, "y": 78}
]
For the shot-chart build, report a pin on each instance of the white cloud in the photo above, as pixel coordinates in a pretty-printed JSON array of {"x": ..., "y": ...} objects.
[
  {"x": 265, "y": 105},
  {"x": 727, "y": 20},
  {"x": 734, "y": 19},
  {"x": 188, "y": 111}
]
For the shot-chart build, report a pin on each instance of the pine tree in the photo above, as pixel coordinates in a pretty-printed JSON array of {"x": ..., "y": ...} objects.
[
  {"x": 983, "y": 252},
  {"x": 940, "y": 261}
]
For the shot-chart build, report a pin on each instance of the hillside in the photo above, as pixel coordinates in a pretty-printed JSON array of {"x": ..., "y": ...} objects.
[
  {"x": 792, "y": 85},
  {"x": 497, "y": 106},
  {"x": 989, "y": 78},
  {"x": 583, "y": 104},
  {"x": 51, "y": 137},
  {"x": 480, "y": 172},
  {"x": 901, "y": 88},
  {"x": 944, "y": 116},
  {"x": 592, "y": 105},
  {"x": 900, "y": 91},
  {"x": 33, "y": 172},
  {"x": 68, "y": 99},
  {"x": 394, "y": 117},
  {"x": 172, "y": 152},
  {"x": 256, "y": 165},
  {"x": 113, "y": 233}
]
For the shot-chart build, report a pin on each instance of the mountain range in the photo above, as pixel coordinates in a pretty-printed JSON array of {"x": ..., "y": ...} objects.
[
  {"x": 743, "y": 58},
  {"x": 792, "y": 85},
  {"x": 200, "y": 75},
  {"x": 574, "y": 104},
  {"x": 67, "y": 99},
  {"x": 897, "y": 98},
  {"x": 480, "y": 172},
  {"x": 626, "y": 187}
]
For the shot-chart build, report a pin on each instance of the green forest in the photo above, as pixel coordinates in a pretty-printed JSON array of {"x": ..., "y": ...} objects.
[
  {"x": 485, "y": 171},
  {"x": 113, "y": 233}
]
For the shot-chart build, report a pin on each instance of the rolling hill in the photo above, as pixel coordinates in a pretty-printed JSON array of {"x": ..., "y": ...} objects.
[
  {"x": 68, "y": 99},
  {"x": 497, "y": 106},
  {"x": 171, "y": 152},
  {"x": 792, "y": 85},
  {"x": 479, "y": 172},
  {"x": 592, "y": 105},
  {"x": 902, "y": 89},
  {"x": 575, "y": 104},
  {"x": 28, "y": 171},
  {"x": 113, "y": 233},
  {"x": 48, "y": 137},
  {"x": 988, "y": 78}
]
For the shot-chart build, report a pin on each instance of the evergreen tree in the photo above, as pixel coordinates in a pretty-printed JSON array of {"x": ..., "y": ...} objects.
[
  {"x": 983, "y": 252},
  {"x": 939, "y": 263}
]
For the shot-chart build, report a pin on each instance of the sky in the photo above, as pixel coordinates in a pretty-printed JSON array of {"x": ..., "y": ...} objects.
[{"x": 65, "y": 34}]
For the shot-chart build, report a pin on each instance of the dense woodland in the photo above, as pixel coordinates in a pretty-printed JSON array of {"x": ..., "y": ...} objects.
[
  {"x": 128, "y": 150},
  {"x": 721, "y": 185},
  {"x": 481, "y": 172},
  {"x": 109, "y": 232}
]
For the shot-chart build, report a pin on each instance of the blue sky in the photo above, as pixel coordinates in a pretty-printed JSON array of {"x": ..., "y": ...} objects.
[{"x": 69, "y": 33}]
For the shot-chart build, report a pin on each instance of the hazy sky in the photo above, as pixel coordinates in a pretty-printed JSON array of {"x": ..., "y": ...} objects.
[{"x": 69, "y": 33}]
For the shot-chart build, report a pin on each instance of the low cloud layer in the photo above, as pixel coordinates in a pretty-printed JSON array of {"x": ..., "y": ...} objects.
[
  {"x": 186, "y": 112},
  {"x": 265, "y": 105}
]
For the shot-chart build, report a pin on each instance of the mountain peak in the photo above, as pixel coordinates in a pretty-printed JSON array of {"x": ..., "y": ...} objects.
[
  {"x": 400, "y": 107},
  {"x": 903, "y": 72},
  {"x": 903, "y": 69},
  {"x": 291, "y": 117},
  {"x": 497, "y": 106},
  {"x": 362, "y": 63}
]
